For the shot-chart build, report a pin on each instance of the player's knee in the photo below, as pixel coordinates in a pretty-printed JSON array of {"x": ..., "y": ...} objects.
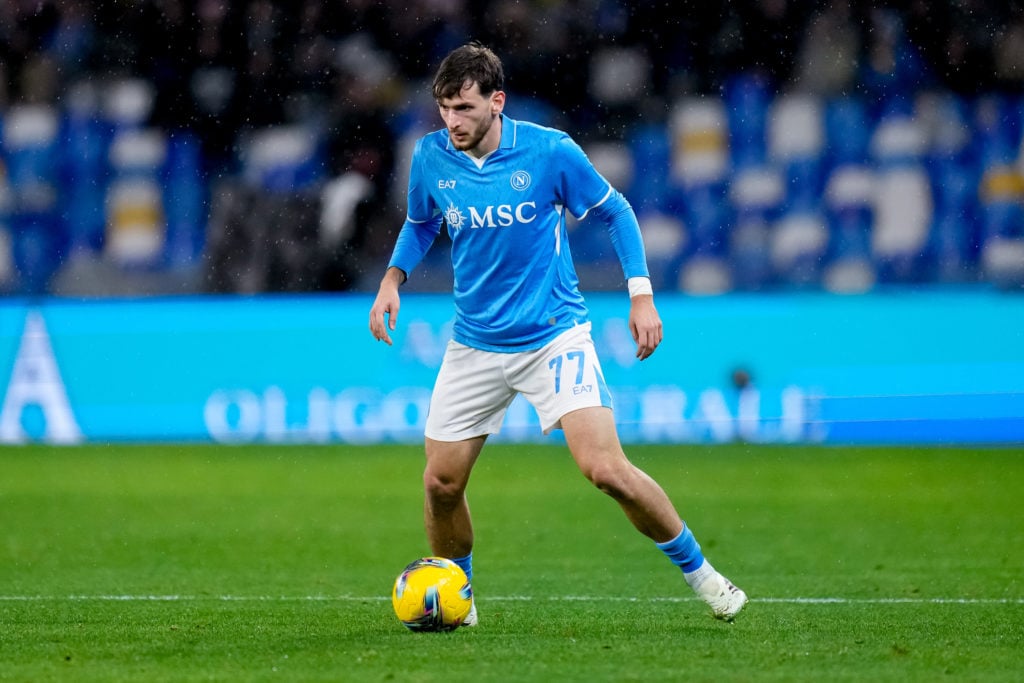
[
  {"x": 442, "y": 490},
  {"x": 611, "y": 478}
]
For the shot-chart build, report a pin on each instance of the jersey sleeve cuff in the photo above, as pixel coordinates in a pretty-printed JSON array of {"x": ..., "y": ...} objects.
[{"x": 639, "y": 285}]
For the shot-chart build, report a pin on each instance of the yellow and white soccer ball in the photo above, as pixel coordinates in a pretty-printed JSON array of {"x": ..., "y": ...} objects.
[{"x": 432, "y": 594}]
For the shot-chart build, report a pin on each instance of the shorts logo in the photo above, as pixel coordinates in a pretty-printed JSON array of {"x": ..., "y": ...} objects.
[
  {"x": 520, "y": 180},
  {"x": 453, "y": 217}
]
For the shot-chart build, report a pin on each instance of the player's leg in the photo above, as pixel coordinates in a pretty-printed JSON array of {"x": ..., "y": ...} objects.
[
  {"x": 564, "y": 382},
  {"x": 592, "y": 439},
  {"x": 468, "y": 402},
  {"x": 591, "y": 436},
  {"x": 445, "y": 510}
]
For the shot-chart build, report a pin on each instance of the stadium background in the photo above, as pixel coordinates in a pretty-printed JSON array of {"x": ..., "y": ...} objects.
[{"x": 846, "y": 182}]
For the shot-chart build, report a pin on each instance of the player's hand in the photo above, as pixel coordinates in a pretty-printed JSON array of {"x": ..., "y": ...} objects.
[
  {"x": 384, "y": 312},
  {"x": 645, "y": 325}
]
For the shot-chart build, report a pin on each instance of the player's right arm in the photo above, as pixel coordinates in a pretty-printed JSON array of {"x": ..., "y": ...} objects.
[
  {"x": 414, "y": 240},
  {"x": 384, "y": 312}
]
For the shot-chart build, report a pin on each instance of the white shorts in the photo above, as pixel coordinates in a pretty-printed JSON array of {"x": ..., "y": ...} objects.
[{"x": 474, "y": 388}]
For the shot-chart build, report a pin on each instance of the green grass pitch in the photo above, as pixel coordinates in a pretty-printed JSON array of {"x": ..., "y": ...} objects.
[{"x": 275, "y": 563}]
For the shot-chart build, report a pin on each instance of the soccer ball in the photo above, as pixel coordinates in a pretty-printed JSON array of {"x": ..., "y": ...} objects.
[{"x": 432, "y": 594}]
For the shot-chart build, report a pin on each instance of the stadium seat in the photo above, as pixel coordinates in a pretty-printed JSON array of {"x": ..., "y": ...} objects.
[
  {"x": 282, "y": 159},
  {"x": 127, "y": 103},
  {"x": 903, "y": 213},
  {"x": 186, "y": 212},
  {"x": 756, "y": 195},
  {"x": 898, "y": 140},
  {"x": 1002, "y": 226},
  {"x": 84, "y": 144},
  {"x": 953, "y": 244},
  {"x": 799, "y": 243},
  {"x": 704, "y": 275},
  {"x": 997, "y": 125},
  {"x": 946, "y": 117},
  {"x": 848, "y": 204},
  {"x": 747, "y": 98},
  {"x": 700, "y": 149},
  {"x": 618, "y": 74},
  {"x": 665, "y": 241},
  {"x": 521, "y": 106},
  {"x": 136, "y": 221},
  {"x": 31, "y": 148},
  {"x": 652, "y": 160},
  {"x": 847, "y": 131},
  {"x": 796, "y": 144},
  {"x": 903, "y": 205},
  {"x": 707, "y": 216},
  {"x": 613, "y": 160}
]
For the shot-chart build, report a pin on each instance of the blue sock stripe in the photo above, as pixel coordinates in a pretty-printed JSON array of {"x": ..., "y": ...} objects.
[
  {"x": 465, "y": 564},
  {"x": 683, "y": 551}
]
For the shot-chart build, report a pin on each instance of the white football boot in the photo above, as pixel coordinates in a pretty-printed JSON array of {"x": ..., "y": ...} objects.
[
  {"x": 725, "y": 599},
  {"x": 470, "y": 619}
]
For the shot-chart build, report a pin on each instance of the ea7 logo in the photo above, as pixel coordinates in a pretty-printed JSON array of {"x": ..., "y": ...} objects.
[
  {"x": 582, "y": 389},
  {"x": 502, "y": 215},
  {"x": 446, "y": 184}
]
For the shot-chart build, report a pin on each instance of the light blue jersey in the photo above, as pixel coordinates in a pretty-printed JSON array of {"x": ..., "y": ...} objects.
[{"x": 516, "y": 287}]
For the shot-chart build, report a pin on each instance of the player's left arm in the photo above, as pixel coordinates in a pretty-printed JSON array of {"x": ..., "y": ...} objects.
[
  {"x": 587, "y": 193},
  {"x": 644, "y": 321}
]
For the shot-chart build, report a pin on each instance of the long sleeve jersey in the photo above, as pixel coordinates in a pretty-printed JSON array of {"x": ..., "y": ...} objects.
[{"x": 515, "y": 284}]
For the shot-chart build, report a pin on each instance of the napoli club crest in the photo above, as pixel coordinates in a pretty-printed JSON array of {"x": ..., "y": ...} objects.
[{"x": 520, "y": 180}]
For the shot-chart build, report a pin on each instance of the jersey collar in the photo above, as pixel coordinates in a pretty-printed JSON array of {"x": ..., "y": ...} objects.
[{"x": 508, "y": 132}]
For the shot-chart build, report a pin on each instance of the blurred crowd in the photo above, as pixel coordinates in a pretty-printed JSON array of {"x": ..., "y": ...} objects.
[{"x": 223, "y": 80}]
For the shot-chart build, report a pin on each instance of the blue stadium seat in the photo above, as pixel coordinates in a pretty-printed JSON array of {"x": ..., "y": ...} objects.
[
  {"x": 1002, "y": 251},
  {"x": 948, "y": 117},
  {"x": 652, "y": 159},
  {"x": 799, "y": 244},
  {"x": 84, "y": 143},
  {"x": 665, "y": 241},
  {"x": 282, "y": 159},
  {"x": 186, "y": 211},
  {"x": 796, "y": 144},
  {"x": 708, "y": 217},
  {"x": 997, "y": 125},
  {"x": 953, "y": 244},
  {"x": 847, "y": 130},
  {"x": 756, "y": 195},
  {"x": 747, "y": 98},
  {"x": 525, "y": 107},
  {"x": 849, "y": 209},
  {"x": 31, "y": 148}
]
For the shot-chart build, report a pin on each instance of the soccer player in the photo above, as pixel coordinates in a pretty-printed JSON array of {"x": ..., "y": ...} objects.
[{"x": 503, "y": 189}]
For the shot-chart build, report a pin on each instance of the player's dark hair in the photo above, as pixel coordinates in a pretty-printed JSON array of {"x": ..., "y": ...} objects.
[{"x": 466, "y": 65}]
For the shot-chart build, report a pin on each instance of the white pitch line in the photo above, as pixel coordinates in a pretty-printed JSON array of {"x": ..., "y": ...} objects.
[{"x": 503, "y": 598}]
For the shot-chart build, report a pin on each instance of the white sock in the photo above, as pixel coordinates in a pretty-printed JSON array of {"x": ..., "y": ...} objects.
[{"x": 698, "y": 576}]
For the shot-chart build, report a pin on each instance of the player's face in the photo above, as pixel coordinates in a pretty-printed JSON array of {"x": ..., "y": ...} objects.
[{"x": 469, "y": 117}]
